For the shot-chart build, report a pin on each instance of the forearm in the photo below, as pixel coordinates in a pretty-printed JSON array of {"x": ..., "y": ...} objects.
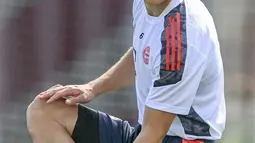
[{"x": 118, "y": 76}]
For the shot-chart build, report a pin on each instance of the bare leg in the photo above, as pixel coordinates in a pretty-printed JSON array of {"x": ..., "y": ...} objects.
[{"x": 51, "y": 123}]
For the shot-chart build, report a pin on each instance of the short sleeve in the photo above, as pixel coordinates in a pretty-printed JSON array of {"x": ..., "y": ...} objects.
[
  {"x": 177, "y": 71},
  {"x": 173, "y": 91}
]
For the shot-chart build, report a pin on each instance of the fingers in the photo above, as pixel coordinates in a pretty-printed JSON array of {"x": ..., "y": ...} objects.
[
  {"x": 76, "y": 100},
  {"x": 47, "y": 94},
  {"x": 72, "y": 93},
  {"x": 67, "y": 91},
  {"x": 55, "y": 86}
]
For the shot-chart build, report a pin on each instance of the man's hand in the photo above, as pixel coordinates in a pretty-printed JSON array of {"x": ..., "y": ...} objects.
[{"x": 73, "y": 93}]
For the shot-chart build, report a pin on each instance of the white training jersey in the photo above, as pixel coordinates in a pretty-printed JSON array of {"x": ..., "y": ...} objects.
[{"x": 179, "y": 68}]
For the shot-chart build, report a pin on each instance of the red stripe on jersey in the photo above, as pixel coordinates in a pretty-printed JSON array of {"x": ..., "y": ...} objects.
[
  {"x": 179, "y": 41},
  {"x": 193, "y": 141},
  {"x": 167, "y": 48},
  {"x": 173, "y": 43}
]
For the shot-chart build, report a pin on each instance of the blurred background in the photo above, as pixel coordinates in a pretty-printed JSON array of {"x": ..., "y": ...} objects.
[{"x": 45, "y": 42}]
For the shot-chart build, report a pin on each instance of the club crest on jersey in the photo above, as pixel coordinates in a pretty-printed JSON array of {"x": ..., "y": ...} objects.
[{"x": 146, "y": 55}]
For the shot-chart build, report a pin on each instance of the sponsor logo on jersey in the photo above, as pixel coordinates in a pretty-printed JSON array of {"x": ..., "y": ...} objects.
[{"x": 146, "y": 55}]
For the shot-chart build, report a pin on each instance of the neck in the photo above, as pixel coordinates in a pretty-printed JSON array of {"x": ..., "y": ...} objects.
[{"x": 156, "y": 9}]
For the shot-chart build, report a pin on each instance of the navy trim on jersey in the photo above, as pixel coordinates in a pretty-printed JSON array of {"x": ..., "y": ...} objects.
[
  {"x": 194, "y": 125},
  {"x": 174, "y": 47}
]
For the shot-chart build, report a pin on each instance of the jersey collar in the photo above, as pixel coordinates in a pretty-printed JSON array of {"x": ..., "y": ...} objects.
[{"x": 171, "y": 5}]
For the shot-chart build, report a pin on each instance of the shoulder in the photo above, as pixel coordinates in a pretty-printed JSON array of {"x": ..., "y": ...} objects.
[
  {"x": 196, "y": 25},
  {"x": 189, "y": 32},
  {"x": 137, "y": 3},
  {"x": 137, "y": 9},
  {"x": 200, "y": 26},
  {"x": 137, "y": 6}
]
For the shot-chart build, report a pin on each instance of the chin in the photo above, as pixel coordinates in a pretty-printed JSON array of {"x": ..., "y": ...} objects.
[{"x": 155, "y": 1}]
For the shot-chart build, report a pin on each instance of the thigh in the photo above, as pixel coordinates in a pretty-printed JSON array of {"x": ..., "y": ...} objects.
[
  {"x": 86, "y": 129},
  {"x": 115, "y": 130},
  {"x": 97, "y": 127}
]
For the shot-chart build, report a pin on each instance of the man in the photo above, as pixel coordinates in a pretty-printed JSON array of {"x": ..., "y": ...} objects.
[{"x": 177, "y": 66}]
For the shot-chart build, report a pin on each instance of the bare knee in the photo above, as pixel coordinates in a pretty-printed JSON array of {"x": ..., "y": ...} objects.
[
  {"x": 39, "y": 109},
  {"x": 39, "y": 113}
]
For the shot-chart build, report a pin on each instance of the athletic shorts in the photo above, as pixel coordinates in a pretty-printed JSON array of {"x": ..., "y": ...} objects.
[{"x": 98, "y": 127}]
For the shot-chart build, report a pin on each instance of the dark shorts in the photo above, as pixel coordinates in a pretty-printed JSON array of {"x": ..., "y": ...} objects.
[{"x": 97, "y": 127}]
